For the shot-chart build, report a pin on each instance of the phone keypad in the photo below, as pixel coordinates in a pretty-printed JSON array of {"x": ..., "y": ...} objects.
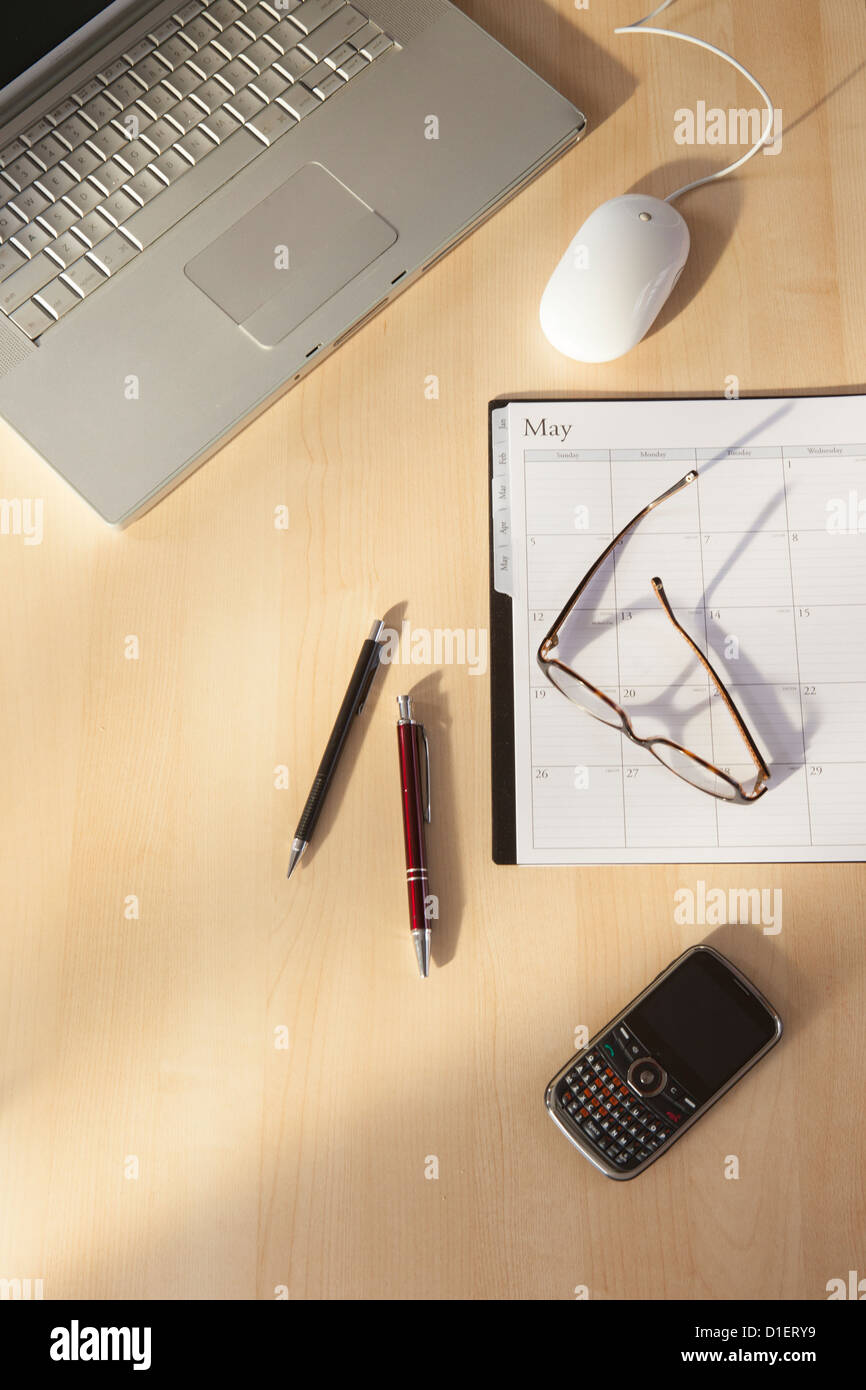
[{"x": 624, "y": 1129}]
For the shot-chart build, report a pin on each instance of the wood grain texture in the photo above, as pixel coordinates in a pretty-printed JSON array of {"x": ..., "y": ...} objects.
[{"x": 155, "y": 1037}]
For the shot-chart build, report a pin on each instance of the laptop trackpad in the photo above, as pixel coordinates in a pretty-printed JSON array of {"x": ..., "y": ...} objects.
[{"x": 288, "y": 255}]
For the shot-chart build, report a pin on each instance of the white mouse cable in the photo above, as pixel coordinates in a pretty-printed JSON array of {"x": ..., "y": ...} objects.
[{"x": 638, "y": 28}]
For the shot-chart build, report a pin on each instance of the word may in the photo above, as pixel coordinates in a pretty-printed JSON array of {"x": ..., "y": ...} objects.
[
  {"x": 544, "y": 429},
  {"x": 101, "y": 1344},
  {"x": 716, "y": 908},
  {"x": 443, "y": 646},
  {"x": 734, "y": 127}
]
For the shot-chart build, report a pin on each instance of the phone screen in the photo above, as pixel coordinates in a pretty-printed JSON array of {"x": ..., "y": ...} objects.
[{"x": 701, "y": 1024}]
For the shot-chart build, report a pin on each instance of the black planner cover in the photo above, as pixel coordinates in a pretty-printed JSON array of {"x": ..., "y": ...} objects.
[{"x": 501, "y": 695}]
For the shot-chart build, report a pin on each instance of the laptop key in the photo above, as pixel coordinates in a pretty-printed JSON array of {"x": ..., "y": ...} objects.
[
  {"x": 352, "y": 66},
  {"x": 221, "y": 124},
  {"x": 223, "y": 13},
  {"x": 365, "y": 35},
  {"x": 256, "y": 21},
  {"x": 12, "y": 151},
  {"x": 84, "y": 197},
  {"x": 199, "y": 32},
  {"x": 135, "y": 155},
  {"x": 259, "y": 55},
  {"x": 106, "y": 141},
  {"x": 124, "y": 91},
  {"x": 149, "y": 71},
  {"x": 234, "y": 75},
  {"x": 88, "y": 90},
  {"x": 162, "y": 134},
  {"x": 164, "y": 31},
  {"x": 32, "y": 319},
  {"x": 119, "y": 207},
  {"x": 11, "y": 259},
  {"x": 31, "y": 239},
  {"x": 312, "y": 13},
  {"x": 67, "y": 107},
  {"x": 58, "y": 218},
  {"x": 329, "y": 85},
  {"x": 31, "y": 276},
  {"x": 37, "y": 131},
  {"x": 195, "y": 145},
  {"x": 299, "y": 101},
  {"x": 171, "y": 166},
  {"x": 174, "y": 53},
  {"x": 186, "y": 115},
  {"x": 270, "y": 84},
  {"x": 232, "y": 41},
  {"x": 22, "y": 171},
  {"x": 92, "y": 229},
  {"x": 10, "y": 223},
  {"x": 145, "y": 185},
  {"x": 74, "y": 130},
  {"x": 377, "y": 46},
  {"x": 112, "y": 254},
  {"x": 333, "y": 32},
  {"x": 157, "y": 101},
  {"x": 66, "y": 249},
  {"x": 30, "y": 202},
  {"x": 211, "y": 94},
  {"x": 293, "y": 64},
  {"x": 189, "y": 11},
  {"x": 84, "y": 277},
  {"x": 100, "y": 110},
  {"x": 271, "y": 123},
  {"x": 56, "y": 182},
  {"x": 139, "y": 50},
  {"x": 283, "y": 36},
  {"x": 81, "y": 161},
  {"x": 48, "y": 150},
  {"x": 245, "y": 104},
  {"x": 208, "y": 60},
  {"x": 108, "y": 177},
  {"x": 182, "y": 81},
  {"x": 114, "y": 70},
  {"x": 57, "y": 298}
]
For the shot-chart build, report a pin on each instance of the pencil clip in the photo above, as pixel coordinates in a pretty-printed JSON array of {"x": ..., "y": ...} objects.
[{"x": 423, "y": 733}]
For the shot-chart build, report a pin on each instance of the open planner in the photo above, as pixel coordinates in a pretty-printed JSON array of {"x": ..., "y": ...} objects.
[{"x": 763, "y": 561}]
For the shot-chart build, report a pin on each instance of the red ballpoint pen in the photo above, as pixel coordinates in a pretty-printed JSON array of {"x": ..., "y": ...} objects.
[{"x": 416, "y": 810}]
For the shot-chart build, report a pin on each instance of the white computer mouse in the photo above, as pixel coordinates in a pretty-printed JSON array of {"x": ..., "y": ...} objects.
[{"x": 614, "y": 278}]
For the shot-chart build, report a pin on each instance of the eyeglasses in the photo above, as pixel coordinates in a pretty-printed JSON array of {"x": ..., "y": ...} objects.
[{"x": 692, "y": 768}]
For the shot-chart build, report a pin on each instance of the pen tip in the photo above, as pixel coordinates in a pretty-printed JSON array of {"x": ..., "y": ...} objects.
[
  {"x": 422, "y": 951},
  {"x": 298, "y": 848}
]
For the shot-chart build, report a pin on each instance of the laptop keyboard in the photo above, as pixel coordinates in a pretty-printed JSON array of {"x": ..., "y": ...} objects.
[{"x": 98, "y": 178}]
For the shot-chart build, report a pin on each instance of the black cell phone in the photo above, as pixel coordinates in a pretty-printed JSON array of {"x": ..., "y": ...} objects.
[{"x": 661, "y": 1063}]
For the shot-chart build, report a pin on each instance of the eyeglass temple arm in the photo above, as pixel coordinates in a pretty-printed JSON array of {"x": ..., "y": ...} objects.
[
  {"x": 764, "y": 771},
  {"x": 552, "y": 637}
]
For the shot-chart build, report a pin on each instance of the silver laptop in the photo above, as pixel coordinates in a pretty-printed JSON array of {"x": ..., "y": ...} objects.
[{"x": 199, "y": 201}]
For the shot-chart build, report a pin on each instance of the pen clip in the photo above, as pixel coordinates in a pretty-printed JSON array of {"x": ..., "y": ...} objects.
[
  {"x": 423, "y": 732},
  {"x": 362, "y": 699}
]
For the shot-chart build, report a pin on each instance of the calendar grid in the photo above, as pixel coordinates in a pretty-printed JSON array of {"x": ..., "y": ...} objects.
[
  {"x": 775, "y": 619},
  {"x": 797, "y": 645}
]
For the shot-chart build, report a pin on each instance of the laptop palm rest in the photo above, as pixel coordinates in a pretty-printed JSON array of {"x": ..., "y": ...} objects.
[{"x": 290, "y": 254}]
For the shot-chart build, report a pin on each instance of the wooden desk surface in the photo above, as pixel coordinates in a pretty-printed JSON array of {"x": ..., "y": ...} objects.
[{"x": 152, "y": 1037}]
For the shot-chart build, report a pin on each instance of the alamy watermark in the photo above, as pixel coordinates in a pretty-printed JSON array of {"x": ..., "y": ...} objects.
[
  {"x": 736, "y": 126},
  {"x": 719, "y": 907}
]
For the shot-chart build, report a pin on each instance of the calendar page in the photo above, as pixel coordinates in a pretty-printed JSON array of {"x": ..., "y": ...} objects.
[{"x": 763, "y": 561}]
